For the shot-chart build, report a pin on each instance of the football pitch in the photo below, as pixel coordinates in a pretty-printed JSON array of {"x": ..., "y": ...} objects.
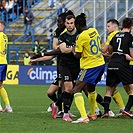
[{"x": 30, "y": 102}]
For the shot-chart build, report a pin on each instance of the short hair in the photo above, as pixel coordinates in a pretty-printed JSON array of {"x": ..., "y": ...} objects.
[
  {"x": 62, "y": 16},
  {"x": 65, "y": 14},
  {"x": 70, "y": 17},
  {"x": 81, "y": 20},
  {"x": 114, "y": 21},
  {"x": 36, "y": 41},
  {"x": 2, "y": 22},
  {"x": 70, "y": 12},
  {"x": 127, "y": 23}
]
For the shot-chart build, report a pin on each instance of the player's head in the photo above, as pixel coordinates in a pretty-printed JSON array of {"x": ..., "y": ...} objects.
[
  {"x": 127, "y": 23},
  {"x": 62, "y": 17},
  {"x": 61, "y": 20},
  {"x": 112, "y": 25},
  {"x": 69, "y": 23},
  {"x": 2, "y": 25},
  {"x": 80, "y": 22}
]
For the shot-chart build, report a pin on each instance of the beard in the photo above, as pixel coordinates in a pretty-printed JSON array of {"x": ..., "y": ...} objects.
[{"x": 71, "y": 30}]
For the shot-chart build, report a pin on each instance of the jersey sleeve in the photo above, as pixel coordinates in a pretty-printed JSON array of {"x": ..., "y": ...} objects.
[
  {"x": 61, "y": 39},
  {"x": 79, "y": 41},
  {"x": 56, "y": 33}
]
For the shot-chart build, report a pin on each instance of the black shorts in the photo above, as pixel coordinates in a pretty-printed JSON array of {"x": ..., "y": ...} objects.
[
  {"x": 69, "y": 73},
  {"x": 56, "y": 82},
  {"x": 118, "y": 73}
]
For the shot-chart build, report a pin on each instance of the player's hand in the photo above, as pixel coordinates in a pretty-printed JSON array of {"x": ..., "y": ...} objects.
[
  {"x": 32, "y": 61},
  {"x": 107, "y": 54},
  {"x": 128, "y": 57}
]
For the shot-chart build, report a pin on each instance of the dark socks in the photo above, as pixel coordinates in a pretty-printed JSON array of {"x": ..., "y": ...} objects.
[
  {"x": 129, "y": 103},
  {"x": 66, "y": 100},
  {"x": 59, "y": 94},
  {"x": 53, "y": 97},
  {"x": 107, "y": 101},
  {"x": 100, "y": 100}
]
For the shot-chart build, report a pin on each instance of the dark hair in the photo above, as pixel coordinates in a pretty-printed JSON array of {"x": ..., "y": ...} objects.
[
  {"x": 36, "y": 41},
  {"x": 70, "y": 17},
  {"x": 63, "y": 16},
  {"x": 127, "y": 23},
  {"x": 114, "y": 21},
  {"x": 69, "y": 12},
  {"x": 81, "y": 20}
]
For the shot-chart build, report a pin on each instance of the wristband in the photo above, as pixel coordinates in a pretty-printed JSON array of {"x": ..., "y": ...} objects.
[{"x": 42, "y": 54}]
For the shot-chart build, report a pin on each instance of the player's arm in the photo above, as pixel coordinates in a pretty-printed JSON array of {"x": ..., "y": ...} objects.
[
  {"x": 53, "y": 52},
  {"x": 55, "y": 43},
  {"x": 45, "y": 58},
  {"x": 64, "y": 49},
  {"x": 131, "y": 52},
  {"x": 128, "y": 57},
  {"x": 105, "y": 51},
  {"x": 76, "y": 54}
]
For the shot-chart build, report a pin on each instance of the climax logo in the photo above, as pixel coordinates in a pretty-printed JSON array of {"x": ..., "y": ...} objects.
[{"x": 40, "y": 74}]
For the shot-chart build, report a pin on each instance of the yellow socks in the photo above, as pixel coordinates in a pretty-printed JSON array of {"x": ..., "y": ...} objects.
[
  {"x": 118, "y": 99},
  {"x": 4, "y": 96},
  {"x": 79, "y": 101},
  {"x": 92, "y": 102}
]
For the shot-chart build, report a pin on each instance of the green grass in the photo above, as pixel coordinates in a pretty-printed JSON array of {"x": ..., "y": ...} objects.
[{"x": 30, "y": 116}]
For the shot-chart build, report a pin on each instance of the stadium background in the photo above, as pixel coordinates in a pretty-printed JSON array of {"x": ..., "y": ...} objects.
[{"x": 97, "y": 11}]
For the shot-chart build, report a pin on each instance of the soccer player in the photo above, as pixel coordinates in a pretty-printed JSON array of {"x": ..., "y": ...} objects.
[
  {"x": 112, "y": 28},
  {"x": 92, "y": 67},
  {"x": 3, "y": 66},
  {"x": 118, "y": 67},
  {"x": 54, "y": 86},
  {"x": 68, "y": 67}
]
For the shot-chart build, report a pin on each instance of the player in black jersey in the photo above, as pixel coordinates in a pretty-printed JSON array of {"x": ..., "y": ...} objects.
[
  {"x": 61, "y": 50},
  {"x": 118, "y": 67},
  {"x": 56, "y": 84},
  {"x": 68, "y": 66}
]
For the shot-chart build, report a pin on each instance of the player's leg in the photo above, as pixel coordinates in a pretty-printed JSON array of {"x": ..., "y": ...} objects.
[
  {"x": 118, "y": 99},
  {"x": 67, "y": 99},
  {"x": 93, "y": 77},
  {"x": 1, "y": 109},
  {"x": 125, "y": 76},
  {"x": 5, "y": 98},
  {"x": 79, "y": 102},
  {"x": 3, "y": 93},
  {"x": 59, "y": 92},
  {"x": 107, "y": 100},
  {"x": 129, "y": 104},
  {"x": 92, "y": 100},
  {"x": 98, "y": 99}
]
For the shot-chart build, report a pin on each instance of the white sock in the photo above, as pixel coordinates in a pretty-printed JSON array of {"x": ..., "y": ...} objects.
[{"x": 8, "y": 106}]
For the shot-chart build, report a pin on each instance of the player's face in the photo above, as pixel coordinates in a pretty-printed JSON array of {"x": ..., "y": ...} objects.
[
  {"x": 2, "y": 27},
  {"x": 70, "y": 25},
  {"x": 60, "y": 22},
  {"x": 110, "y": 27}
]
